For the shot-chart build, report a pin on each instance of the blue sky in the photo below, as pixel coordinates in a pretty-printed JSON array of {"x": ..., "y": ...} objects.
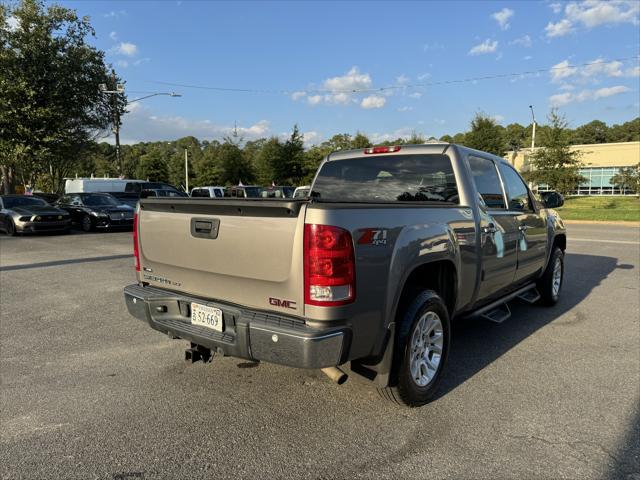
[{"x": 291, "y": 50}]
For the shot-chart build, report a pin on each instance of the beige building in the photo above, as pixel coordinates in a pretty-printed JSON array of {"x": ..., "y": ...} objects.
[{"x": 601, "y": 162}]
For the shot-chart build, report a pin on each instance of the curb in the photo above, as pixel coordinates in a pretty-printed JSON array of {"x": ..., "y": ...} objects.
[{"x": 623, "y": 223}]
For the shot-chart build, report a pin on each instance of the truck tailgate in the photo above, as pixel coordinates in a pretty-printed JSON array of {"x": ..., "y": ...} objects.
[{"x": 251, "y": 257}]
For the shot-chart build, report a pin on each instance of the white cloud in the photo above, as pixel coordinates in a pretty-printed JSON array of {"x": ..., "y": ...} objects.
[
  {"x": 430, "y": 47},
  {"x": 13, "y": 23},
  {"x": 633, "y": 72},
  {"x": 405, "y": 108},
  {"x": 561, "y": 99},
  {"x": 402, "y": 79},
  {"x": 559, "y": 29},
  {"x": 140, "y": 61},
  {"x": 353, "y": 80},
  {"x": 524, "y": 41},
  {"x": 502, "y": 17},
  {"x": 562, "y": 70},
  {"x": 311, "y": 138},
  {"x": 415, "y": 95},
  {"x": 344, "y": 90},
  {"x": 373, "y": 101},
  {"x": 487, "y": 46},
  {"x": 115, "y": 14},
  {"x": 591, "y": 72},
  {"x": 113, "y": 36},
  {"x": 498, "y": 118},
  {"x": 140, "y": 124},
  {"x": 592, "y": 13},
  {"x": 556, "y": 7},
  {"x": 527, "y": 57},
  {"x": 127, "y": 49},
  {"x": 610, "y": 91},
  {"x": 424, "y": 76},
  {"x": 122, "y": 63},
  {"x": 404, "y": 132}
]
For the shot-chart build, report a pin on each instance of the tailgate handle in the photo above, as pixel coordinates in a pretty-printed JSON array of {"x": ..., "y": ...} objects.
[{"x": 205, "y": 227}]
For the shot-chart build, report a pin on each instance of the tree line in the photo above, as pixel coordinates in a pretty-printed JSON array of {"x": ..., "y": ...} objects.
[{"x": 54, "y": 113}]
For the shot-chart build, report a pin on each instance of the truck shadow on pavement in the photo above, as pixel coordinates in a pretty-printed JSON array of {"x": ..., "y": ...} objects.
[{"x": 476, "y": 343}]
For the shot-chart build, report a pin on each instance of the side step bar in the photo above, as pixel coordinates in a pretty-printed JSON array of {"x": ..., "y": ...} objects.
[{"x": 498, "y": 311}]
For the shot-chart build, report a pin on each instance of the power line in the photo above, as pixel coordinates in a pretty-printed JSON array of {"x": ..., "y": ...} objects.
[{"x": 397, "y": 86}]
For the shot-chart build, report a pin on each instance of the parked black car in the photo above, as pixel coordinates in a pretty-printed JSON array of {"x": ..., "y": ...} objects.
[
  {"x": 97, "y": 210},
  {"x": 25, "y": 213}
]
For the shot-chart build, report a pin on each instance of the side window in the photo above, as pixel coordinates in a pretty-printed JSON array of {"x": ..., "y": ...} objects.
[
  {"x": 218, "y": 193},
  {"x": 485, "y": 176},
  {"x": 517, "y": 190},
  {"x": 75, "y": 200}
]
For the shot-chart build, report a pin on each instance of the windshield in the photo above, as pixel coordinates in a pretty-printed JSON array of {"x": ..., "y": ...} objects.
[
  {"x": 390, "y": 178},
  {"x": 301, "y": 193},
  {"x": 100, "y": 201},
  {"x": 253, "y": 192},
  {"x": 26, "y": 201}
]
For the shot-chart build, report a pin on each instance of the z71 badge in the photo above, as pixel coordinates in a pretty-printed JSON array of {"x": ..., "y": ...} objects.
[{"x": 373, "y": 236}]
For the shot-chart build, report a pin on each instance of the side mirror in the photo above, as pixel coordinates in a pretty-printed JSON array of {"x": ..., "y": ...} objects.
[{"x": 552, "y": 200}]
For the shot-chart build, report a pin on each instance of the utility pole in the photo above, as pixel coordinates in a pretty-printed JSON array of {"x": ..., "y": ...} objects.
[
  {"x": 533, "y": 134},
  {"x": 116, "y": 121},
  {"x": 186, "y": 170}
]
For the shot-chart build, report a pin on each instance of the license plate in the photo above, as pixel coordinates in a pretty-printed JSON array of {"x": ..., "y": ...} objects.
[{"x": 206, "y": 316}]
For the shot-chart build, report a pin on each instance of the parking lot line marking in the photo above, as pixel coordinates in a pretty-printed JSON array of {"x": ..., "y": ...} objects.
[
  {"x": 70, "y": 261},
  {"x": 595, "y": 240}
]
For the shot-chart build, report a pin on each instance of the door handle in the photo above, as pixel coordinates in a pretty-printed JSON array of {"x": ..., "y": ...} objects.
[
  {"x": 523, "y": 227},
  {"x": 489, "y": 229},
  {"x": 205, "y": 227}
]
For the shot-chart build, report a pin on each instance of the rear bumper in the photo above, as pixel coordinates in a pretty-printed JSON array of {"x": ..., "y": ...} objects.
[{"x": 247, "y": 333}]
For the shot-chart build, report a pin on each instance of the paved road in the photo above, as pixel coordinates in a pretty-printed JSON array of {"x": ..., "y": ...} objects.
[{"x": 88, "y": 392}]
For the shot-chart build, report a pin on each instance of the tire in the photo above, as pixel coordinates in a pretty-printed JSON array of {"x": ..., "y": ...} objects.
[
  {"x": 425, "y": 316},
  {"x": 10, "y": 227},
  {"x": 86, "y": 223},
  {"x": 550, "y": 285}
]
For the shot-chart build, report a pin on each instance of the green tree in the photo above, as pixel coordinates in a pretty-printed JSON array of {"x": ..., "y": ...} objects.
[
  {"x": 360, "y": 141},
  {"x": 153, "y": 167},
  {"x": 52, "y": 106},
  {"x": 515, "y": 136},
  {"x": 627, "y": 132},
  {"x": 627, "y": 178},
  {"x": 447, "y": 138},
  {"x": 556, "y": 164},
  {"x": 207, "y": 169},
  {"x": 270, "y": 161},
  {"x": 459, "y": 138},
  {"x": 592, "y": 132},
  {"x": 234, "y": 167},
  {"x": 485, "y": 135},
  {"x": 290, "y": 171}
]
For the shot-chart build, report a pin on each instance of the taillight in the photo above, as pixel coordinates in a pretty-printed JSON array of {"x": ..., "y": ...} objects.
[
  {"x": 329, "y": 266},
  {"x": 136, "y": 251},
  {"x": 370, "y": 150}
]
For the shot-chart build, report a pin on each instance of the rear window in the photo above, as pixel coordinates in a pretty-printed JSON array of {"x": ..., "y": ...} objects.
[
  {"x": 396, "y": 178},
  {"x": 200, "y": 192}
]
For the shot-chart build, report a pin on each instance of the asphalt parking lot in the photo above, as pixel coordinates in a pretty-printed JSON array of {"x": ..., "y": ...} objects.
[{"x": 90, "y": 392}]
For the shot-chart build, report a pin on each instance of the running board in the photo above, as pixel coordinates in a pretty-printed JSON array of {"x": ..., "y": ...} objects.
[
  {"x": 498, "y": 314},
  {"x": 498, "y": 311},
  {"x": 530, "y": 296}
]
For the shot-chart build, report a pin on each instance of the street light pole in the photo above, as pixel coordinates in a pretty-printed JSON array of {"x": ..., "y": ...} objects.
[
  {"x": 116, "y": 112},
  {"x": 533, "y": 134},
  {"x": 186, "y": 170}
]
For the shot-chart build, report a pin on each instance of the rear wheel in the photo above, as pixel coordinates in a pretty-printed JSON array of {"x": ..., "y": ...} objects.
[
  {"x": 421, "y": 351},
  {"x": 550, "y": 283},
  {"x": 86, "y": 223}
]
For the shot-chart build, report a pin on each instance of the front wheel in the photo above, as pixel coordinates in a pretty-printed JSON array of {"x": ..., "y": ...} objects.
[
  {"x": 550, "y": 283},
  {"x": 421, "y": 353},
  {"x": 86, "y": 223},
  {"x": 10, "y": 227}
]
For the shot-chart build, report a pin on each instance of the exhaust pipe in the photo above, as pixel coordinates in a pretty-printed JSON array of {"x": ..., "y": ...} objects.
[{"x": 335, "y": 374}]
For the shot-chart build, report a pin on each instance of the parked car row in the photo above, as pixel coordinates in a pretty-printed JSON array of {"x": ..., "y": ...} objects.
[
  {"x": 250, "y": 191},
  {"x": 87, "y": 211}
]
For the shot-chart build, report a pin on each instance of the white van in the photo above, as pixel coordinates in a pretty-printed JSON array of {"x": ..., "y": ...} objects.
[
  {"x": 99, "y": 185},
  {"x": 211, "y": 192}
]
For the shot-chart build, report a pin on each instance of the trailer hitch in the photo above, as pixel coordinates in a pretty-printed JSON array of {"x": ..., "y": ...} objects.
[{"x": 198, "y": 353}]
